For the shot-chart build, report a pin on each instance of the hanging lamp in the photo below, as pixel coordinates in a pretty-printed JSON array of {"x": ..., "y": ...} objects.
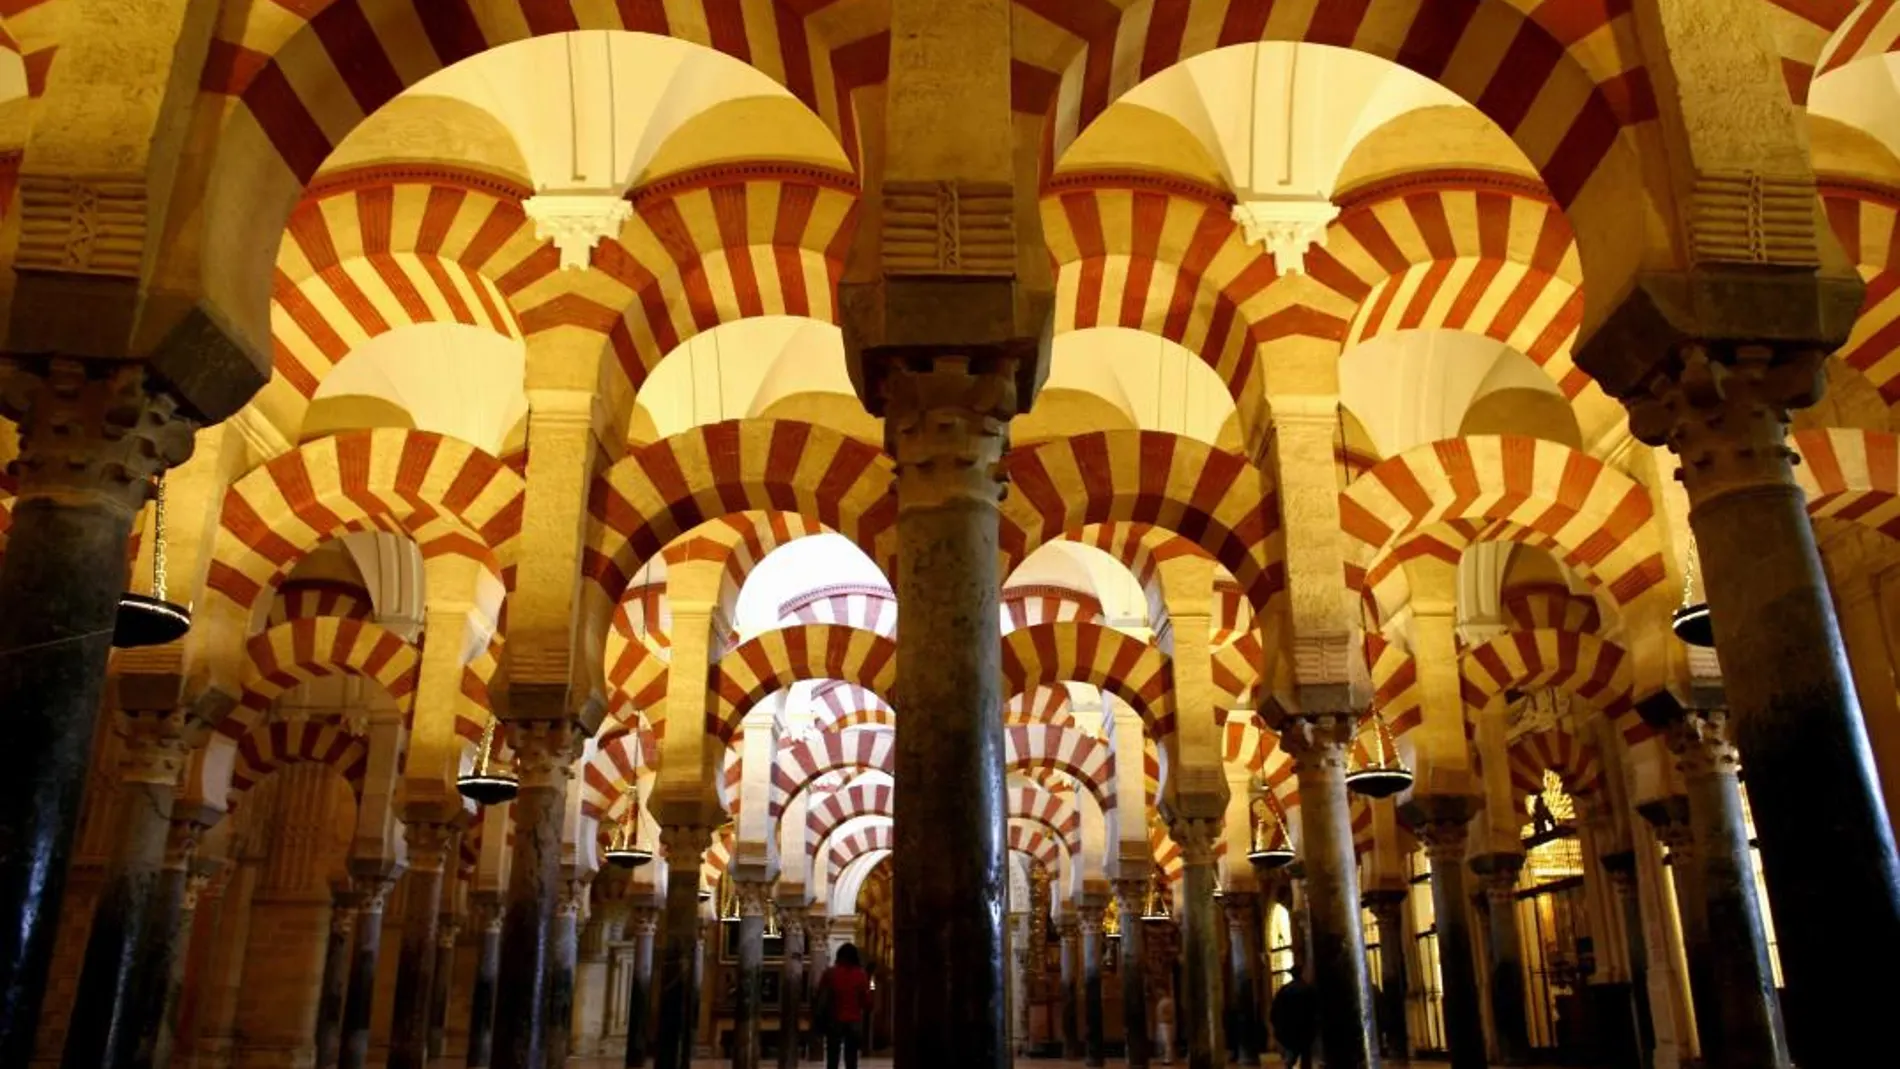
[
  {"x": 1691, "y": 622},
  {"x": 1156, "y": 908},
  {"x": 487, "y": 784},
  {"x": 1383, "y": 773},
  {"x": 623, "y": 845},
  {"x": 151, "y": 620},
  {"x": 1269, "y": 849}
]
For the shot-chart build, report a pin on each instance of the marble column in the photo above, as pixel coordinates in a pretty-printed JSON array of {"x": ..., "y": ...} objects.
[
  {"x": 487, "y": 908},
  {"x": 1318, "y": 745},
  {"x": 641, "y": 925},
  {"x": 685, "y": 847},
  {"x": 1722, "y": 406},
  {"x": 192, "y": 876},
  {"x": 448, "y": 928},
  {"x": 791, "y": 922},
  {"x": 429, "y": 845},
  {"x": 1640, "y": 1040},
  {"x": 1442, "y": 824},
  {"x": 1243, "y": 958},
  {"x": 1742, "y": 983},
  {"x": 748, "y": 997},
  {"x": 1132, "y": 895},
  {"x": 544, "y": 755},
  {"x": 121, "y": 998},
  {"x": 344, "y": 903},
  {"x": 1670, "y": 817},
  {"x": 818, "y": 938},
  {"x": 373, "y": 882},
  {"x": 1388, "y": 908},
  {"x": 1089, "y": 920},
  {"x": 92, "y": 437},
  {"x": 1070, "y": 926},
  {"x": 1199, "y": 1008},
  {"x": 1509, "y": 1013},
  {"x": 946, "y": 427},
  {"x": 563, "y": 960}
]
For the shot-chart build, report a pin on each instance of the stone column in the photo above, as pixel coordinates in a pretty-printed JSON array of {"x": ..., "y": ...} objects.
[
  {"x": 193, "y": 877},
  {"x": 544, "y": 754},
  {"x": 1133, "y": 897},
  {"x": 481, "y": 1006},
  {"x": 1748, "y": 1031},
  {"x": 791, "y": 922},
  {"x": 1070, "y": 926},
  {"x": 1199, "y": 1008},
  {"x": 1670, "y": 818},
  {"x": 344, "y": 903},
  {"x": 429, "y": 846},
  {"x": 1243, "y": 958},
  {"x": 447, "y": 929},
  {"x": 1442, "y": 822},
  {"x": 373, "y": 883},
  {"x": 685, "y": 847},
  {"x": 1621, "y": 867},
  {"x": 121, "y": 998},
  {"x": 563, "y": 960},
  {"x": 644, "y": 921},
  {"x": 92, "y": 436},
  {"x": 946, "y": 417},
  {"x": 747, "y": 1007},
  {"x": 1089, "y": 919},
  {"x": 1509, "y": 1015},
  {"x": 1318, "y": 745},
  {"x": 1721, "y": 405},
  {"x": 1388, "y": 908}
]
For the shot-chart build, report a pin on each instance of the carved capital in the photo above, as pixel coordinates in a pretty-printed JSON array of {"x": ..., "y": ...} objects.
[
  {"x": 155, "y": 748},
  {"x": 1318, "y": 742},
  {"x": 1197, "y": 838},
  {"x": 1133, "y": 896},
  {"x": 643, "y": 921},
  {"x": 685, "y": 844},
  {"x": 1069, "y": 926},
  {"x": 1498, "y": 872},
  {"x": 195, "y": 886},
  {"x": 1443, "y": 824},
  {"x": 544, "y": 751},
  {"x": 488, "y": 910},
  {"x": 1723, "y": 409},
  {"x": 573, "y": 898},
  {"x": 946, "y": 423},
  {"x": 181, "y": 843},
  {"x": 430, "y": 844},
  {"x": 375, "y": 888},
  {"x": 447, "y": 931},
  {"x": 1385, "y": 905},
  {"x": 1090, "y": 916},
  {"x": 1670, "y": 817},
  {"x": 1239, "y": 907},
  {"x": 91, "y": 431},
  {"x": 1700, "y": 741},
  {"x": 752, "y": 895}
]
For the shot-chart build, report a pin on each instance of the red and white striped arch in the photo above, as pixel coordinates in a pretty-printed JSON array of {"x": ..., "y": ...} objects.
[
  {"x": 1167, "y": 852},
  {"x": 1593, "y": 669},
  {"x": 1575, "y": 761},
  {"x": 1803, "y": 30},
  {"x": 268, "y": 747},
  {"x": 1594, "y": 518},
  {"x": 822, "y": 753},
  {"x": 1126, "y": 667},
  {"x": 1866, "y": 219},
  {"x": 644, "y": 616},
  {"x": 303, "y": 599},
  {"x": 1073, "y": 753},
  {"x": 1851, "y": 475},
  {"x": 872, "y": 608},
  {"x": 1529, "y": 606},
  {"x": 854, "y": 800},
  {"x": 1041, "y": 705},
  {"x": 841, "y": 705},
  {"x": 1029, "y": 604},
  {"x": 289, "y": 655},
  {"x": 841, "y": 850},
  {"x": 1215, "y": 499},
  {"x": 1055, "y": 812},
  {"x": 32, "y": 28},
  {"x": 1395, "y": 689},
  {"x": 1031, "y": 839},
  {"x": 1873, "y": 29},
  {"x": 620, "y": 757},
  {"x": 776, "y": 659}
]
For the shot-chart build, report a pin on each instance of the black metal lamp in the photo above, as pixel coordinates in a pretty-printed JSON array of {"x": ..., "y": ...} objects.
[
  {"x": 1382, "y": 773},
  {"x": 623, "y": 845},
  {"x": 150, "y": 619},
  {"x": 1691, "y": 622},
  {"x": 488, "y": 783},
  {"x": 1269, "y": 848}
]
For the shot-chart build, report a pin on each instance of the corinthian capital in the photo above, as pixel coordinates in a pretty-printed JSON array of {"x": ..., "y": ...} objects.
[
  {"x": 91, "y": 431},
  {"x": 544, "y": 750},
  {"x": 946, "y": 423}
]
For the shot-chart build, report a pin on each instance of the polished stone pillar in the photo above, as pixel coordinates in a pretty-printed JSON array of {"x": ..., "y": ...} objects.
[
  {"x": 946, "y": 427},
  {"x": 1318, "y": 745},
  {"x": 1243, "y": 961},
  {"x": 429, "y": 846},
  {"x": 1200, "y": 1007},
  {"x": 1639, "y": 1042},
  {"x": 563, "y": 960},
  {"x": 1019, "y": 982},
  {"x": 447, "y": 929},
  {"x": 791, "y": 922},
  {"x": 1070, "y": 926},
  {"x": 1670, "y": 817},
  {"x": 748, "y": 996},
  {"x": 374, "y": 884},
  {"x": 641, "y": 925},
  {"x": 1388, "y": 908},
  {"x": 1742, "y": 994},
  {"x": 487, "y": 908},
  {"x": 344, "y": 903},
  {"x": 1498, "y": 875},
  {"x": 818, "y": 938},
  {"x": 544, "y": 754},
  {"x": 1089, "y": 919},
  {"x": 192, "y": 877},
  {"x": 685, "y": 846},
  {"x": 92, "y": 436},
  {"x": 1441, "y": 823},
  {"x": 120, "y": 1005},
  {"x": 1722, "y": 407},
  {"x": 1132, "y": 896}
]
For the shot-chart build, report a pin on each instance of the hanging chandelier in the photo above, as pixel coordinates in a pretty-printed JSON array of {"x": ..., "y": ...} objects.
[
  {"x": 151, "y": 620},
  {"x": 1382, "y": 774},
  {"x": 1269, "y": 849},
  {"x": 1157, "y": 907},
  {"x": 623, "y": 845},
  {"x": 487, "y": 784},
  {"x": 1691, "y": 622}
]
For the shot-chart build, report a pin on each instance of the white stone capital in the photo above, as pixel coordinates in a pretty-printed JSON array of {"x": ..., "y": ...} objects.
[
  {"x": 1287, "y": 227},
  {"x": 576, "y": 222}
]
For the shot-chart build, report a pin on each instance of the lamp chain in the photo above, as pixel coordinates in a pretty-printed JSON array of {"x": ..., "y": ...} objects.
[{"x": 158, "y": 539}]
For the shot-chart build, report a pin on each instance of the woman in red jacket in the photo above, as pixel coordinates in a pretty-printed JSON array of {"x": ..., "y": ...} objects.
[{"x": 844, "y": 1006}]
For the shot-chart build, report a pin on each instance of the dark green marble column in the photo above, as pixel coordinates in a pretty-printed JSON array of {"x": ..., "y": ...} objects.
[
  {"x": 374, "y": 882},
  {"x": 748, "y": 1005},
  {"x": 1132, "y": 895},
  {"x": 1497, "y": 873},
  {"x": 1442, "y": 824},
  {"x": 344, "y": 903},
  {"x": 1199, "y": 1009},
  {"x": 1388, "y": 908},
  {"x": 430, "y": 844},
  {"x": 562, "y": 964},
  {"x": 1094, "y": 1043},
  {"x": 685, "y": 848},
  {"x": 1071, "y": 929},
  {"x": 642, "y": 925},
  {"x": 447, "y": 928},
  {"x": 481, "y": 1007},
  {"x": 544, "y": 754}
]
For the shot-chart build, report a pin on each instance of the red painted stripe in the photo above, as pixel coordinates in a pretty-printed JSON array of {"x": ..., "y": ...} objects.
[
  {"x": 1527, "y": 65},
  {"x": 505, "y": 219},
  {"x": 451, "y": 28},
  {"x": 1857, "y": 34},
  {"x": 725, "y": 24},
  {"x": 1428, "y": 214},
  {"x": 729, "y": 213},
  {"x": 549, "y": 16},
  {"x": 1427, "y": 291},
  {"x": 795, "y": 53},
  {"x": 452, "y": 296},
  {"x": 1167, "y": 25},
  {"x": 1337, "y": 22},
  {"x": 358, "y": 54},
  {"x": 1483, "y": 273},
  {"x": 402, "y": 287},
  {"x": 1583, "y": 148},
  {"x": 292, "y": 131},
  {"x": 644, "y": 16}
]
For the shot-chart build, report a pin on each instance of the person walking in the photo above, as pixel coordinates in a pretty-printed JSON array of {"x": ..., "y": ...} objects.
[
  {"x": 1295, "y": 1018},
  {"x": 843, "y": 1007}
]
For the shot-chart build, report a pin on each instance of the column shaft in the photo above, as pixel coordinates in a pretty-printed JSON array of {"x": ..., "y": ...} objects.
[
  {"x": 747, "y": 1003},
  {"x": 1388, "y": 908},
  {"x": 1671, "y": 819},
  {"x": 791, "y": 922},
  {"x": 415, "y": 968},
  {"x": 543, "y": 750},
  {"x": 1133, "y": 894},
  {"x": 336, "y": 976},
  {"x": 1509, "y": 1019},
  {"x": 685, "y": 847},
  {"x": 646, "y": 920},
  {"x": 1199, "y": 1010},
  {"x": 443, "y": 986},
  {"x": 563, "y": 959},
  {"x": 1071, "y": 963},
  {"x": 1095, "y": 1043},
  {"x": 361, "y": 1001},
  {"x": 1641, "y": 1039},
  {"x": 481, "y": 1005},
  {"x": 1441, "y": 822},
  {"x": 1243, "y": 945},
  {"x": 189, "y": 884}
]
